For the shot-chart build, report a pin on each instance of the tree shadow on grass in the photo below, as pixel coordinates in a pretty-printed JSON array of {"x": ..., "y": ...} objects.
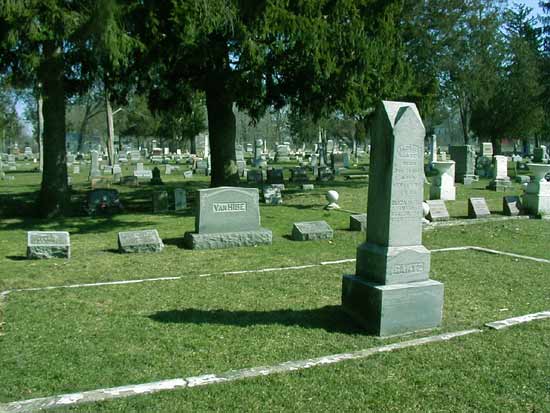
[
  {"x": 17, "y": 257},
  {"x": 330, "y": 318}
]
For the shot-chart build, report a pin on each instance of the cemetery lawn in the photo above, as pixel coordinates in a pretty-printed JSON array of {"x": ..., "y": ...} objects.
[{"x": 68, "y": 340}]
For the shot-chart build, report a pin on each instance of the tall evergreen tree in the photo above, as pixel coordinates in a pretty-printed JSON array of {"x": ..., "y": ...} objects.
[
  {"x": 318, "y": 55},
  {"x": 54, "y": 43}
]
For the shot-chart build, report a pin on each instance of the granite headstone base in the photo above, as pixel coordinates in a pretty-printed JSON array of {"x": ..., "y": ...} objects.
[
  {"x": 387, "y": 310},
  {"x": 311, "y": 231},
  {"x": 196, "y": 241}
]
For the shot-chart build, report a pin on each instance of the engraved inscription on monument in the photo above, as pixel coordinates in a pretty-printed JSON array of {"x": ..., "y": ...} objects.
[{"x": 229, "y": 207}]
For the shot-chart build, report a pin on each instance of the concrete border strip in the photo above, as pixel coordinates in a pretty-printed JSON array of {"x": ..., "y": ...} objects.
[
  {"x": 32, "y": 405},
  {"x": 502, "y": 324},
  {"x": 5, "y": 293}
]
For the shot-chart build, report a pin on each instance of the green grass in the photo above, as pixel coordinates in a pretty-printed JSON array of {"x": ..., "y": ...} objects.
[{"x": 70, "y": 340}]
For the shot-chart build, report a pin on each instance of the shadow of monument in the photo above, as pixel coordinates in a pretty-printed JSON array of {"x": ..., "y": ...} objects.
[{"x": 329, "y": 318}]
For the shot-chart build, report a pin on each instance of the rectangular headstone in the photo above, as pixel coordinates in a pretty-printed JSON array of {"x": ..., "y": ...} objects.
[
  {"x": 180, "y": 199},
  {"x": 308, "y": 187},
  {"x": 188, "y": 174},
  {"x": 160, "y": 201},
  {"x": 511, "y": 205},
  {"x": 227, "y": 209},
  {"x": 140, "y": 241},
  {"x": 48, "y": 244},
  {"x": 438, "y": 210},
  {"x": 227, "y": 217},
  {"x": 310, "y": 231},
  {"x": 477, "y": 208}
]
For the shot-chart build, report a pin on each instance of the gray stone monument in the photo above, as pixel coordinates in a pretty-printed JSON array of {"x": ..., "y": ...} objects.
[
  {"x": 94, "y": 167},
  {"x": 391, "y": 292},
  {"x": 501, "y": 182},
  {"x": 48, "y": 244},
  {"x": 139, "y": 241},
  {"x": 160, "y": 201},
  {"x": 536, "y": 197},
  {"x": 272, "y": 195},
  {"x": 465, "y": 158},
  {"x": 227, "y": 217},
  {"x": 180, "y": 199},
  {"x": 511, "y": 205},
  {"x": 311, "y": 231}
]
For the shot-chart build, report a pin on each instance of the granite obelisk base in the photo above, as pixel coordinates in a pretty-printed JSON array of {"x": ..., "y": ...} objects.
[{"x": 393, "y": 309}]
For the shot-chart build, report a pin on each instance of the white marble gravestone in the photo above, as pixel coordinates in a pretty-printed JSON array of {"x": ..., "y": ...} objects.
[
  {"x": 536, "y": 197},
  {"x": 443, "y": 185}
]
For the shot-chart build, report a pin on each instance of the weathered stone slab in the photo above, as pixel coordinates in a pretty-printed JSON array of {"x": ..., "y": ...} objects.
[
  {"x": 511, "y": 205},
  {"x": 180, "y": 199},
  {"x": 312, "y": 230},
  {"x": 477, "y": 208},
  {"x": 143, "y": 173},
  {"x": 308, "y": 187},
  {"x": 48, "y": 244},
  {"x": 227, "y": 239},
  {"x": 160, "y": 201},
  {"x": 438, "y": 211},
  {"x": 358, "y": 222},
  {"x": 140, "y": 241}
]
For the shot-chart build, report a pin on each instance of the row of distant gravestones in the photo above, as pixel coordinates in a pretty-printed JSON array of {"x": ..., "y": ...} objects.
[{"x": 477, "y": 208}]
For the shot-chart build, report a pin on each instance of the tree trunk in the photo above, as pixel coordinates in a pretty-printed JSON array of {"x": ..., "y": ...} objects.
[
  {"x": 82, "y": 128},
  {"x": 110, "y": 129},
  {"x": 54, "y": 191},
  {"x": 222, "y": 133},
  {"x": 40, "y": 127}
]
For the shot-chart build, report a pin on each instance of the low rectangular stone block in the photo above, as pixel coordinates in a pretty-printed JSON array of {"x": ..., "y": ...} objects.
[
  {"x": 387, "y": 310},
  {"x": 312, "y": 230},
  {"x": 438, "y": 211},
  {"x": 358, "y": 222},
  {"x": 140, "y": 241},
  {"x": 220, "y": 240},
  {"x": 477, "y": 208},
  {"x": 48, "y": 244}
]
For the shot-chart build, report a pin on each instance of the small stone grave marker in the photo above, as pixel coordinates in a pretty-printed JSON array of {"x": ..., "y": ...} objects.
[
  {"x": 511, "y": 205},
  {"x": 272, "y": 195},
  {"x": 188, "y": 174},
  {"x": 180, "y": 199},
  {"x": 438, "y": 210},
  {"x": 48, "y": 244},
  {"x": 139, "y": 241},
  {"x": 160, "y": 201},
  {"x": 308, "y": 187},
  {"x": 299, "y": 175},
  {"x": 477, "y": 208},
  {"x": 358, "y": 222},
  {"x": 312, "y": 230}
]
